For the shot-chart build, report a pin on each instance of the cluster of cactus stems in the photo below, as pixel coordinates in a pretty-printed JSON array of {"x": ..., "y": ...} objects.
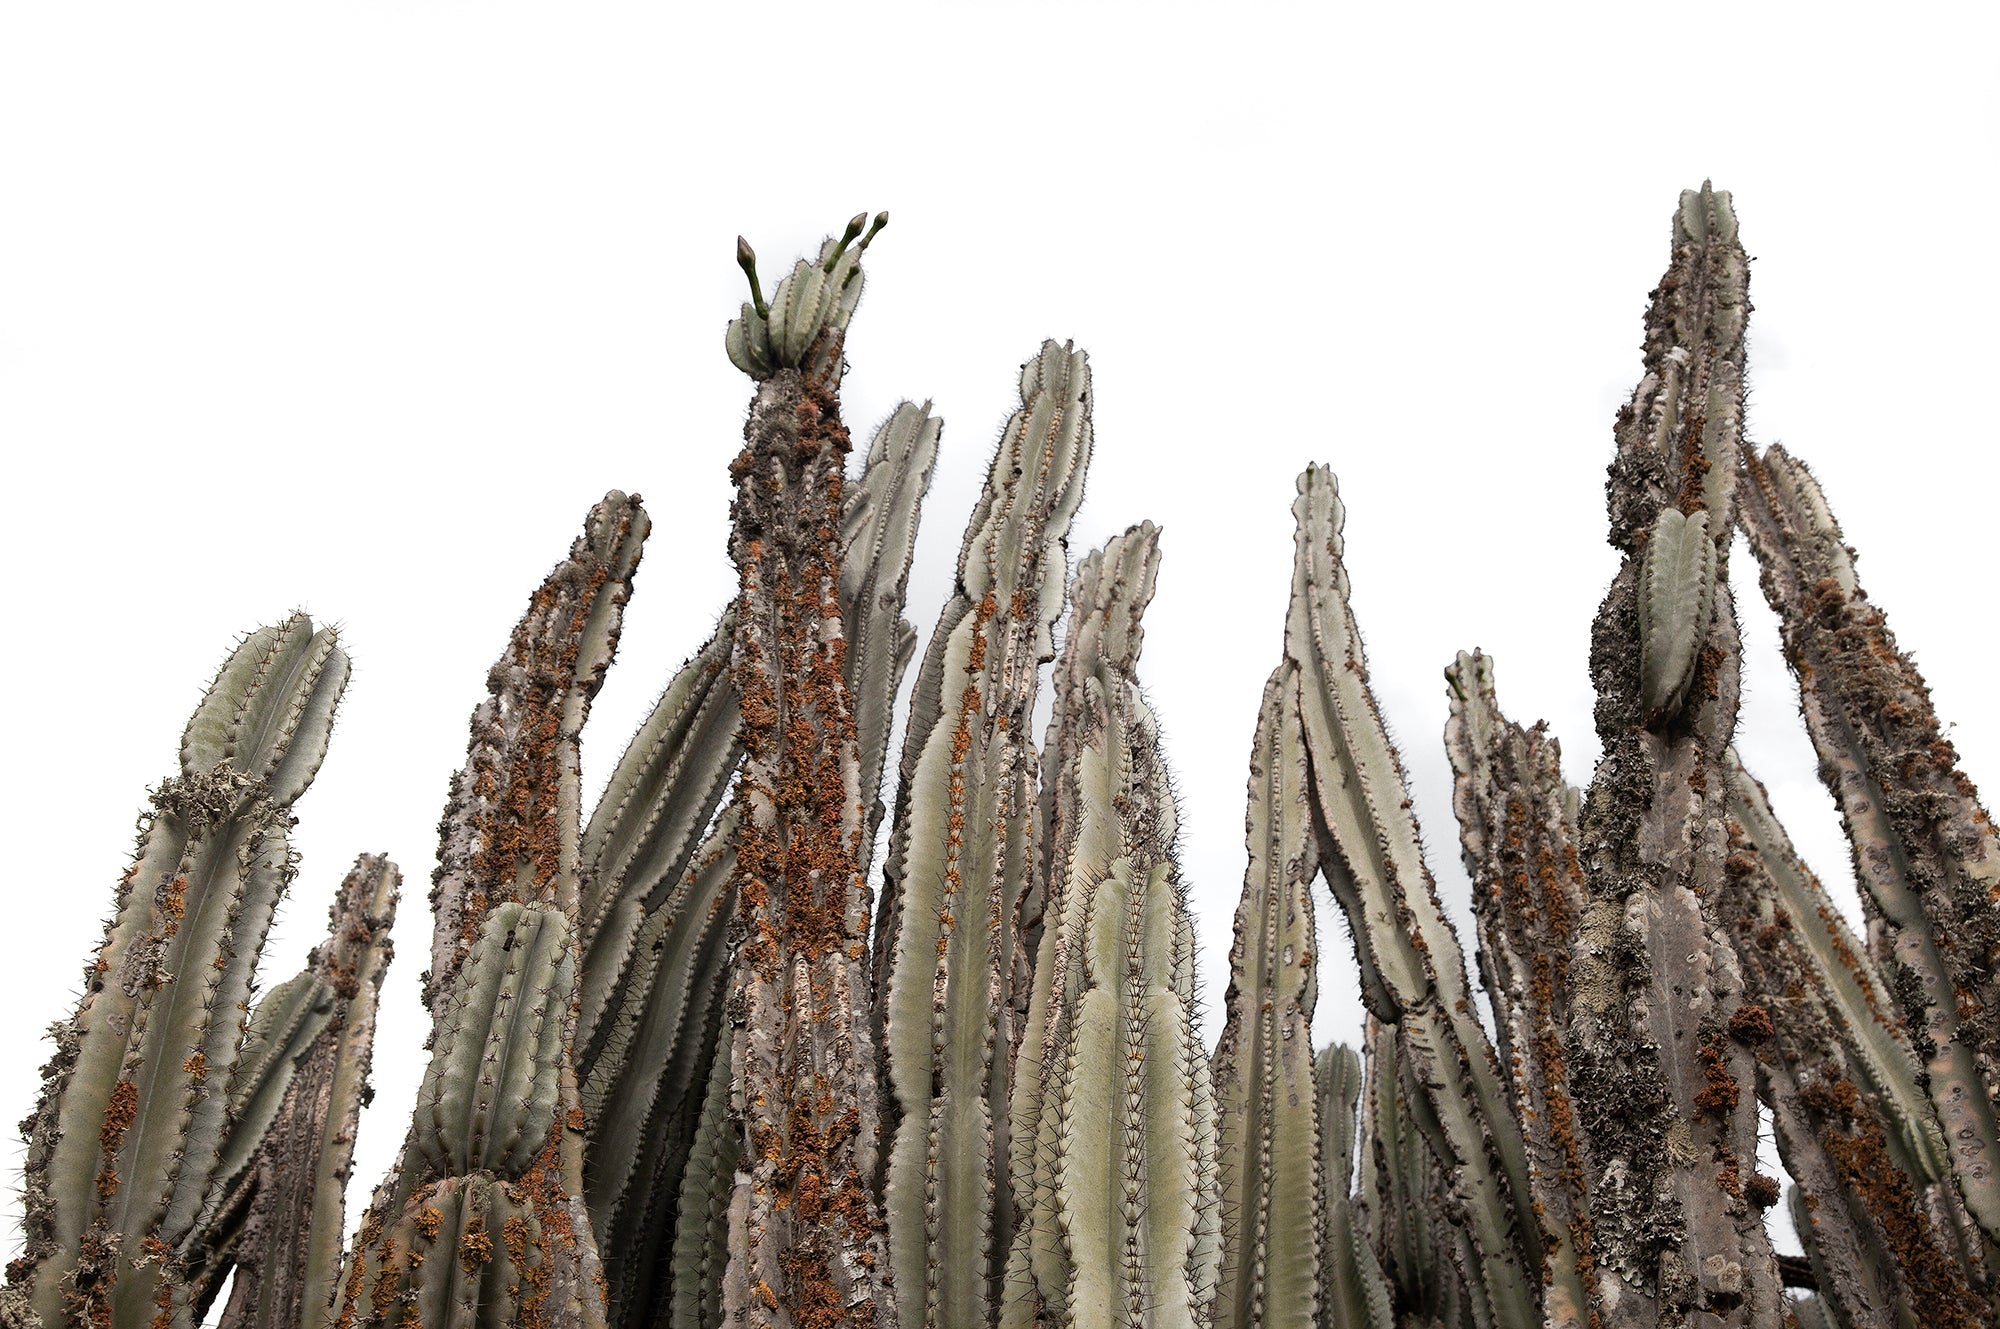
[{"x": 685, "y": 1071}]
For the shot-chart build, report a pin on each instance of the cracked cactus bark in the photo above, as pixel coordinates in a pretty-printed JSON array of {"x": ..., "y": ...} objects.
[
  {"x": 1877, "y": 1243},
  {"x": 1657, "y": 1078},
  {"x": 126, "y": 1143},
  {"x": 1925, "y": 851},
  {"x": 805, "y": 1240},
  {"x": 961, "y": 863},
  {"x": 282, "y": 1203},
  {"x": 1527, "y": 895},
  {"x": 482, "y": 1222},
  {"x": 656, "y": 964},
  {"x": 1113, "y": 1115},
  {"x": 1412, "y": 970},
  {"x": 1267, "y": 1155}
]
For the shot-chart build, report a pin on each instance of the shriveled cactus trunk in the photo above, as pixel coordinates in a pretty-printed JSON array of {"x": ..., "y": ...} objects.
[
  {"x": 1925, "y": 851},
  {"x": 483, "y": 1222},
  {"x": 1659, "y": 1082},
  {"x": 805, "y": 1236}
]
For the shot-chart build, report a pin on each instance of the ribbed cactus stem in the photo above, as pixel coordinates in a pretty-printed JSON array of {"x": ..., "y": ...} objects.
[
  {"x": 126, "y": 1141},
  {"x": 1527, "y": 893},
  {"x": 1925, "y": 851},
  {"x": 1267, "y": 1155},
  {"x": 1412, "y": 970},
  {"x": 1876, "y": 1245},
  {"x": 1660, "y": 1086},
  {"x": 288, "y": 1252},
  {"x": 1353, "y": 1294},
  {"x": 1113, "y": 1113},
  {"x": 804, "y": 1228},
  {"x": 962, "y": 856},
  {"x": 499, "y": 1132}
]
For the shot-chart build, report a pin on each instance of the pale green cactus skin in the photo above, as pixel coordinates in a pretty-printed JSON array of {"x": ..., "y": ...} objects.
[
  {"x": 1353, "y": 1292},
  {"x": 1676, "y": 604},
  {"x": 1412, "y": 970},
  {"x": 1113, "y": 1112},
  {"x": 1661, "y": 1090},
  {"x": 1925, "y": 851},
  {"x": 962, "y": 856},
  {"x": 125, "y": 1146},
  {"x": 1527, "y": 892},
  {"x": 813, "y": 299},
  {"x": 1267, "y": 1155},
  {"x": 280, "y": 1203},
  {"x": 656, "y": 971},
  {"x": 507, "y": 873}
]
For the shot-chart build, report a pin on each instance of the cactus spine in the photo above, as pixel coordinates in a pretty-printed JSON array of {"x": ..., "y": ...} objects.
[
  {"x": 1925, "y": 851},
  {"x": 962, "y": 858},
  {"x": 804, "y": 1226},
  {"x": 1267, "y": 1156},
  {"x": 126, "y": 1141}
]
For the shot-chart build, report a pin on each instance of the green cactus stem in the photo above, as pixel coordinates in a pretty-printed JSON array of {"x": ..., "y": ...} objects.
[
  {"x": 1412, "y": 970},
  {"x": 1527, "y": 893},
  {"x": 1658, "y": 1082},
  {"x": 805, "y": 1244},
  {"x": 963, "y": 852},
  {"x": 283, "y": 1184},
  {"x": 1267, "y": 1155},
  {"x": 1925, "y": 851},
  {"x": 124, "y": 1147},
  {"x": 501, "y": 1092},
  {"x": 1353, "y": 1292}
]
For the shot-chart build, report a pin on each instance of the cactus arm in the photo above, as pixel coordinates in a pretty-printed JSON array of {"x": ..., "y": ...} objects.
[
  {"x": 1353, "y": 1293},
  {"x": 958, "y": 866},
  {"x": 1657, "y": 1080},
  {"x": 501, "y": 1089},
  {"x": 1925, "y": 851},
  {"x": 288, "y": 1251},
  {"x": 805, "y": 1240},
  {"x": 1527, "y": 891},
  {"x": 127, "y": 1136},
  {"x": 1412, "y": 971},
  {"x": 701, "y": 1235},
  {"x": 1268, "y": 1148}
]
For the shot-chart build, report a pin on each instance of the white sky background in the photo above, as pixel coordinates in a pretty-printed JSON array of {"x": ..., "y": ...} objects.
[{"x": 359, "y": 312}]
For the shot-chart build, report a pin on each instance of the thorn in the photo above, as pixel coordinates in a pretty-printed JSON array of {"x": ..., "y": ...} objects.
[{"x": 746, "y": 258}]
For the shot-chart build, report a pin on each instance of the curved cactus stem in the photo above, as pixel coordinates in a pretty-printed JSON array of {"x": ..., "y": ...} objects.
[
  {"x": 282, "y": 1189},
  {"x": 952, "y": 960},
  {"x": 805, "y": 1236},
  {"x": 1852, "y": 1146},
  {"x": 1412, "y": 971},
  {"x": 507, "y": 873},
  {"x": 1267, "y": 1154},
  {"x": 124, "y": 1146},
  {"x": 1925, "y": 851},
  {"x": 1527, "y": 893},
  {"x": 1656, "y": 1077}
]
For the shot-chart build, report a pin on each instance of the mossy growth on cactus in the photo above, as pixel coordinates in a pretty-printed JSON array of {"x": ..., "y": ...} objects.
[{"x": 686, "y": 1070}]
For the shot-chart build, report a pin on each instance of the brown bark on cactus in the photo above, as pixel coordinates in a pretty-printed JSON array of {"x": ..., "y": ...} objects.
[
  {"x": 1658, "y": 1083},
  {"x": 805, "y": 1235}
]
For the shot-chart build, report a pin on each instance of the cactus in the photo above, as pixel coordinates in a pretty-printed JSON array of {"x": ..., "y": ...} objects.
[
  {"x": 126, "y": 1142},
  {"x": 502, "y": 988},
  {"x": 962, "y": 856},
  {"x": 1267, "y": 1155},
  {"x": 804, "y": 1226},
  {"x": 279, "y": 1207},
  {"x": 1925, "y": 850},
  {"x": 654, "y": 1098},
  {"x": 1412, "y": 971}
]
